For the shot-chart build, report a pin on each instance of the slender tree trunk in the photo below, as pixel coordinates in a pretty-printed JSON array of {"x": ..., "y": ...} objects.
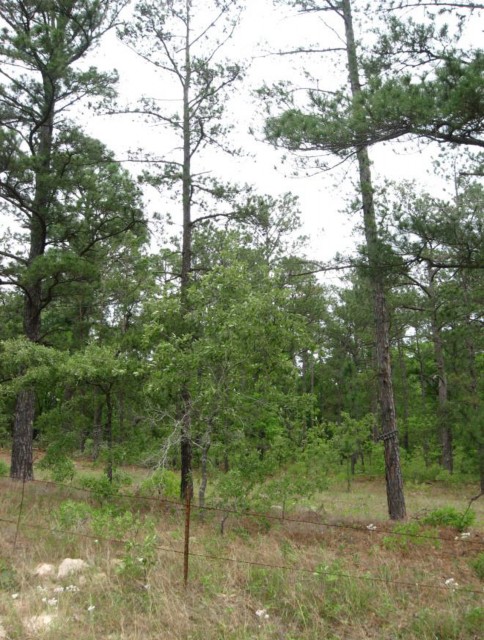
[
  {"x": 445, "y": 429},
  {"x": 207, "y": 441},
  {"x": 97, "y": 432},
  {"x": 186, "y": 480},
  {"x": 405, "y": 412},
  {"x": 393, "y": 474},
  {"x": 22, "y": 446},
  {"x": 109, "y": 435}
]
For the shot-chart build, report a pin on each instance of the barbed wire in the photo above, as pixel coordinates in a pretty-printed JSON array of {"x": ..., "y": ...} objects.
[
  {"x": 277, "y": 518},
  {"x": 316, "y": 572}
]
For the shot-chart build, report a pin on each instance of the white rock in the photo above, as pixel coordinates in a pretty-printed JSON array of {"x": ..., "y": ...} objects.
[
  {"x": 44, "y": 570},
  {"x": 69, "y": 566},
  {"x": 37, "y": 624}
]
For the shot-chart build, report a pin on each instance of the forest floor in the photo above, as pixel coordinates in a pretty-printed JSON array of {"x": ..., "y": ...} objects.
[{"x": 336, "y": 569}]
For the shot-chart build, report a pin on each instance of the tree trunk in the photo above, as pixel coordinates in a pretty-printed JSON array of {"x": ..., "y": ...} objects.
[
  {"x": 405, "y": 412},
  {"x": 97, "y": 432},
  {"x": 207, "y": 441},
  {"x": 186, "y": 481},
  {"x": 22, "y": 446},
  {"x": 393, "y": 474},
  {"x": 445, "y": 429},
  {"x": 109, "y": 435}
]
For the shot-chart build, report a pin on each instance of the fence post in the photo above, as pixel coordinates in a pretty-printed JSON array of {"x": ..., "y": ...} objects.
[{"x": 186, "y": 551}]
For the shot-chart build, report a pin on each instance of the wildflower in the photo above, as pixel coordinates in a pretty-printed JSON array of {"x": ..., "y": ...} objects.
[
  {"x": 15, "y": 596},
  {"x": 450, "y": 582},
  {"x": 463, "y": 536},
  {"x": 72, "y": 588},
  {"x": 59, "y": 590},
  {"x": 371, "y": 527},
  {"x": 52, "y": 602},
  {"x": 262, "y": 613},
  {"x": 91, "y": 608}
]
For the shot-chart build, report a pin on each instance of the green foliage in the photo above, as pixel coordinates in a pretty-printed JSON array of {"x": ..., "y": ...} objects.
[
  {"x": 8, "y": 576},
  {"x": 161, "y": 482},
  {"x": 60, "y": 466},
  {"x": 4, "y": 469},
  {"x": 100, "y": 487},
  {"x": 477, "y": 565},
  {"x": 450, "y": 517},
  {"x": 408, "y": 535},
  {"x": 139, "y": 556},
  {"x": 71, "y": 514}
]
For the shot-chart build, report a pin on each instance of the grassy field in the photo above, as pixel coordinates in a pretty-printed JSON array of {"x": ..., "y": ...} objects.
[{"x": 341, "y": 572}]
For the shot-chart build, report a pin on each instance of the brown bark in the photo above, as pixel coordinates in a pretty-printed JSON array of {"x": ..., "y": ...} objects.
[
  {"x": 405, "y": 412},
  {"x": 22, "y": 447},
  {"x": 186, "y": 481},
  {"x": 445, "y": 429},
  {"x": 393, "y": 474}
]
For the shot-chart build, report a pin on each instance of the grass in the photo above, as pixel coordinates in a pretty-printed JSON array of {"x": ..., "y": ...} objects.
[{"x": 135, "y": 591}]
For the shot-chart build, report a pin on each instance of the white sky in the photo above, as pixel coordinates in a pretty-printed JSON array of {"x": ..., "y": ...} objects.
[{"x": 263, "y": 28}]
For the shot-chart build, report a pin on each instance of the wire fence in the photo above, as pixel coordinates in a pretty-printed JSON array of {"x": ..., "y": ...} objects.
[
  {"x": 317, "y": 521},
  {"x": 19, "y": 523}
]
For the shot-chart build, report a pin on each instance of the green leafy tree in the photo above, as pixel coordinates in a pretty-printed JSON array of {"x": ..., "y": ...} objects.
[
  {"x": 309, "y": 131},
  {"x": 185, "y": 47},
  {"x": 50, "y": 172}
]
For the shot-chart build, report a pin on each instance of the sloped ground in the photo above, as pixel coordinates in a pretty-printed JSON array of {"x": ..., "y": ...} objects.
[{"x": 352, "y": 580}]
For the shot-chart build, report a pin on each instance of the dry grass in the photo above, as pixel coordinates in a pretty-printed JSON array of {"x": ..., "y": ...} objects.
[{"x": 326, "y": 592}]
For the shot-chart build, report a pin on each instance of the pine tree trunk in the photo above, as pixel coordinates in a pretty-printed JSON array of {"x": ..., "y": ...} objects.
[
  {"x": 22, "y": 448},
  {"x": 393, "y": 474},
  {"x": 22, "y": 441},
  {"x": 404, "y": 375},
  {"x": 186, "y": 481},
  {"x": 445, "y": 429}
]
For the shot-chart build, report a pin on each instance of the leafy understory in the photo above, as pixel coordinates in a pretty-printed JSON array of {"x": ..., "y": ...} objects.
[{"x": 291, "y": 578}]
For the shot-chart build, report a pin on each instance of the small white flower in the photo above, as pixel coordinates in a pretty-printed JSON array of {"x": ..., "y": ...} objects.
[
  {"x": 15, "y": 595},
  {"x": 52, "y": 602},
  {"x": 91, "y": 608},
  {"x": 72, "y": 588},
  {"x": 141, "y": 560},
  {"x": 262, "y": 613},
  {"x": 450, "y": 582},
  {"x": 371, "y": 527},
  {"x": 59, "y": 590}
]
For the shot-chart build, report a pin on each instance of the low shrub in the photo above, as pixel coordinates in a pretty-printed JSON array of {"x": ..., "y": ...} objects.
[
  {"x": 478, "y": 565},
  {"x": 8, "y": 576},
  {"x": 407, "y": 535},
  {"x": 450, "y": 517},
  {"x": 58, "y": 464},
  {"x": 161, "y": 482}
]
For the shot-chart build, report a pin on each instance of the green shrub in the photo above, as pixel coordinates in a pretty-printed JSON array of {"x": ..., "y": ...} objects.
[
  {"x": 407, "y": 535},
  {"x": 71, "y": 513},
  {"x": 8, "y": 577},
  {"x": 161, "y": 482},
  {"x": 478, "y": 565},
  {"x": 58, "y": 464},
  {"x": 450, "y": 517},
  {"x": 4, "y": 470},
  {"x": 100, "y": 487}
]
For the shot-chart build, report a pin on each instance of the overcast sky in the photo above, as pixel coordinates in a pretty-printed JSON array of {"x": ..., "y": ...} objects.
[{"x": 263, "y": 28}]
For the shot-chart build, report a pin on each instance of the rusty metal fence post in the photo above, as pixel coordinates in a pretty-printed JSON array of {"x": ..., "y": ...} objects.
[{"x": 186, "y": 551}]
